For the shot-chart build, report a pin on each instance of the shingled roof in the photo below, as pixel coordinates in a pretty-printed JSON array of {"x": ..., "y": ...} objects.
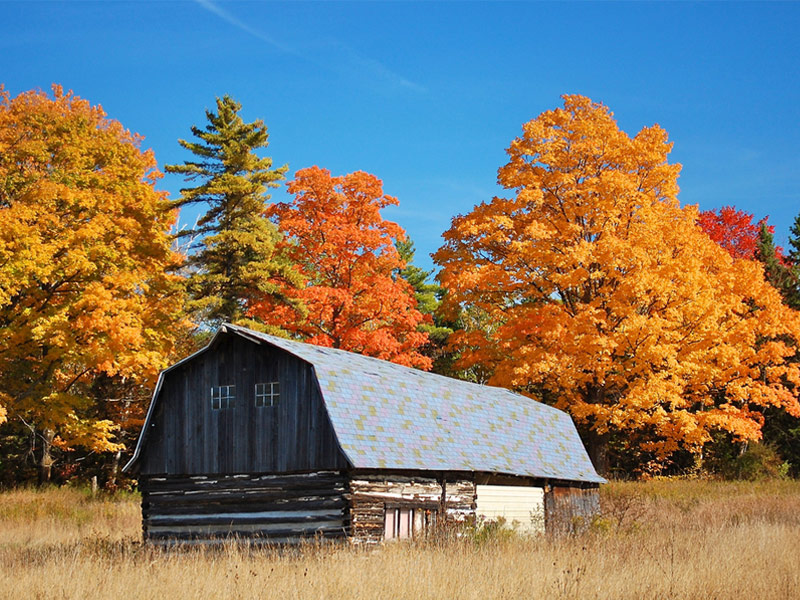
[{"x": 387, "y": 416}]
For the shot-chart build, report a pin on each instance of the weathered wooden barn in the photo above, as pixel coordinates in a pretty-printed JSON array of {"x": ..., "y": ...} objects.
[{"x": 260, "y": 437}]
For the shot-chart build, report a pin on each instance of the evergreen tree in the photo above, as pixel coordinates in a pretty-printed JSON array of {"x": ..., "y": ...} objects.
[
  {"x": 794, "y": 242},
  {"x": 425, "y": 293},
  {"x": 429, "y": 296},
  {"x": 231, "y": 248},
  {"x": 782, "y": 430},
  {"x": 781, "y": 276}
]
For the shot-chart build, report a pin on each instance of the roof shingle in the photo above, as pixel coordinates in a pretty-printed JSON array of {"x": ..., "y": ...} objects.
[{"x": 387, "y": 416}]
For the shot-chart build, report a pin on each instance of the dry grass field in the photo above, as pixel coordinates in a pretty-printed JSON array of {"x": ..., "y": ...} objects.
[{"x": 663, "y": 539}]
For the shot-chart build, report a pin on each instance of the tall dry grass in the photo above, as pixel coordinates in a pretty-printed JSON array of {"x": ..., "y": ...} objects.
[{"x": 666, "y": 539}]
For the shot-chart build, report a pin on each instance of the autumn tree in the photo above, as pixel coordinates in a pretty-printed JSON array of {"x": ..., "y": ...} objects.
[
  {"x": 735, "y": 231},
  {"x": 84, "y": 259},
  {"x": 345, "y": 251},
  {"x": 232, "y": 256},
  {"x": 603, "y": 297},
  {"x": 732, "y": 229}
]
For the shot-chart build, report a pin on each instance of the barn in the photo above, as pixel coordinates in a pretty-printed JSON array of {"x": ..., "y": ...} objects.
[{"x": 274, "y": 440}]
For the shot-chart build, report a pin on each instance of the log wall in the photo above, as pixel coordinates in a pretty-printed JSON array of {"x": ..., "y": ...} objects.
[
  {"x": 329, "y": 504},
  {"x": 268, "y": 508},
  {"x": 370, "y": 495}
]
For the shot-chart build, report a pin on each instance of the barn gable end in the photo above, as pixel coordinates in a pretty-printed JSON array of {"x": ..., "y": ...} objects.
[{"x": 187, "y": 436}]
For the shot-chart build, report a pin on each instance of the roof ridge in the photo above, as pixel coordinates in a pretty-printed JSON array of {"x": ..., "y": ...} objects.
[{"x": 384, "y": 363}]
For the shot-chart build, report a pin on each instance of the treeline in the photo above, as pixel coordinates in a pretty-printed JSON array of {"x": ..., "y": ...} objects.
[{"x": 669, "y": 335}]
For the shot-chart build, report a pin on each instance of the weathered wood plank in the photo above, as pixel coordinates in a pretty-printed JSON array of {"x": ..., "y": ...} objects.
[
  {"x": 314, "y": 503},
  {"x": 251, "y": 494},
  {"x": 570, "y": 509},
  {"x": 289, "y": 535},
  {"x": 291, "y": 505},
  {"x": 257, "y": 519},
  {"x": 371, "y": 495},
  {"x": 242, "y": 481}
]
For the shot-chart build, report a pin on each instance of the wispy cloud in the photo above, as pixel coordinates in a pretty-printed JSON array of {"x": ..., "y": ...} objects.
[
  {"x": 223, "y": 14},
  {"x": 343, "y": 59},
  {"x": 376, "y": 69}
]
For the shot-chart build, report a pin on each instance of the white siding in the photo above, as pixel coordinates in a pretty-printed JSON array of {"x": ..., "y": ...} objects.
[{"x": 521, "y": 506}]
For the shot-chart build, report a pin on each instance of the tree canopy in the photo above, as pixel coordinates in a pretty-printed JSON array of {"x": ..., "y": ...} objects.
[
  {"x": 85, "y": 261},
  {"x": 603, "y": 297},
  {"x": 345, "y": 250}
]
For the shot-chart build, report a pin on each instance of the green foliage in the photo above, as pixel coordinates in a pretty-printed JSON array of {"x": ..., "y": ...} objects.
[
  {"x": 749, "y": 462},
  {"x": 232, "y": 246},
  {"x": 428, "y": 296},
  {"x": 781, "y": 430},
  {"x": 17, "y": 459},
  {"x": 425, "y": 293},
  {"x": 781, "y": 276},
  {"x": 794, "y": 241}
]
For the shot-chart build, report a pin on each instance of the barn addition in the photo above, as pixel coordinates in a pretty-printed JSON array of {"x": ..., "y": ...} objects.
[{"x": 270, "y": 439}]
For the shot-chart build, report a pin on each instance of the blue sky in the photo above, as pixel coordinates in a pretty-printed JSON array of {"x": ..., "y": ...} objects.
[{"x": 427, "y": 96}]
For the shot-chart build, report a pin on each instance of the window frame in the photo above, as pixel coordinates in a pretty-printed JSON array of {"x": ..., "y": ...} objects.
[
  {"x": 223, "y": 397},
  {"x": 267, "y": 394},
  {"x": 409, "y": 520}
]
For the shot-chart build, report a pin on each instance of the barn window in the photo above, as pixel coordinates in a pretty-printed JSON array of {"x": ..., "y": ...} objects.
[
  {"x": 267, "y": 394},
  {"x": 407, "y": 522},
  {"x": 222, "y": 396}
]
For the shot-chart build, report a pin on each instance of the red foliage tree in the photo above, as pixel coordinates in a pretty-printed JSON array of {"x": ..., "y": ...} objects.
[
  {"x": 335, "y": 236},
  {"x": 735, "y": 231},
  {"x": 732, "y": 229}
]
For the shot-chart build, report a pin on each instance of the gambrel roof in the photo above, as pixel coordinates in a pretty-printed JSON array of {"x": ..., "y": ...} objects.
[{"x": 388, "y": 416}]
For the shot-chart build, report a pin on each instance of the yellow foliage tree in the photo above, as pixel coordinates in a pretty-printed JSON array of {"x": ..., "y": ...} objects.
[
  {"x": 84, "y": 260},
  {"x": 607, "y": 300}
]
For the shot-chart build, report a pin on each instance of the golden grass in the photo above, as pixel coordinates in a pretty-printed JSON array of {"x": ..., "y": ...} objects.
[{"x": 656, "y": 540}]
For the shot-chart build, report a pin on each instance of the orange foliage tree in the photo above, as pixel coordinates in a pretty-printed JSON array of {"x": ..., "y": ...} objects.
[
  {"x": 353, "y": 297},
  {"x": 84, "y": 255},
  {"x": 607, "y": 300}
]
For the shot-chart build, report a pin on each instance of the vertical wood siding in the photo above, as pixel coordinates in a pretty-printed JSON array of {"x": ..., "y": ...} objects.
[
  {"x": 188, "y": 437},
  {"x": 269, "y": 508},
  {"x": 570, "y": 509}
]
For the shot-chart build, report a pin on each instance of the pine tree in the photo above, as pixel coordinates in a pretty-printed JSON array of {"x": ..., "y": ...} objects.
[
  {"x": 425, "y": 293},
  {"x": 428, "y": 297},
  {"x": 779, "y": 275},
  {"x": 231, "y": 248},
  {"x": 794, "y": 242},
  {"x": 781, "y": 430}
]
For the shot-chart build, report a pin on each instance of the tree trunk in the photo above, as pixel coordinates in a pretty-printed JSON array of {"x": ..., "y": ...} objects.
[
  {"x": 112, "y": 480},
  {"x": 598, "y": 451},
  {"x": 46, "y": 463}
]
